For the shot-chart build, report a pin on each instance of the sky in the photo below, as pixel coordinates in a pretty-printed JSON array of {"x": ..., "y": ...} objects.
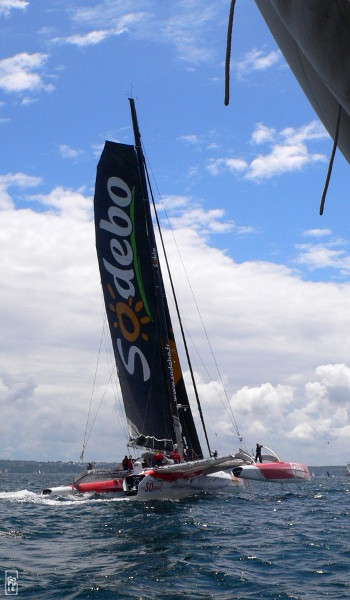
[{"x": 261, "y": 278}]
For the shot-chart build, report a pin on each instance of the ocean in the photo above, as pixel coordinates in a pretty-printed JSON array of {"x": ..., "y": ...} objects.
[{"x": 284, "y": 542}]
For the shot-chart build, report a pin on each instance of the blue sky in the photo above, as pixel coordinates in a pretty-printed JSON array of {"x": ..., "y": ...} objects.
[{"x": 241, "y": 185}]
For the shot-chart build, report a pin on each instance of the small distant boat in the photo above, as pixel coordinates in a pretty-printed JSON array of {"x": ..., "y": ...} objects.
[{"x": 348, "y": 468}]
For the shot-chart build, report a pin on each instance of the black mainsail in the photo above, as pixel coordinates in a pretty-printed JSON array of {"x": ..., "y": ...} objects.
[{"x": 155, "y": 398}]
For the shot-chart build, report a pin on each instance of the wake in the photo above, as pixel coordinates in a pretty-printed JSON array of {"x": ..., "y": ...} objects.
[{"x": 28, "y": 497}]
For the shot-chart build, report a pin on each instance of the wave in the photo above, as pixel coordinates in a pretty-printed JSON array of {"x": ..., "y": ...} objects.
[{"x": 29, "y": 497}]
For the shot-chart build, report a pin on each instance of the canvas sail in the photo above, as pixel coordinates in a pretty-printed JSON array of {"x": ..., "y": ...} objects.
[{"x": 127, "y": 262}]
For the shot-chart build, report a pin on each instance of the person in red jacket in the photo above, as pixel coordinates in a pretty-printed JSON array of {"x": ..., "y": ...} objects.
[
  {"x": 159, "y": 459},
  {"x": 175, "y": 455}
]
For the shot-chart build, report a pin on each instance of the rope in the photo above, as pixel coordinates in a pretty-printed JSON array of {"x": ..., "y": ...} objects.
[
  {"x": 229, "y": 408},
  {"x": 331, "y": 161},
  {"x": 178, "y": 314},
  {"x": 228, "y": 53},
  {"x": 92, "y": 394}
]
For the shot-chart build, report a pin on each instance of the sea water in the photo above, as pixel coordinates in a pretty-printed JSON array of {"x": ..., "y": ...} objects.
[{"x": 279, "y": 542}]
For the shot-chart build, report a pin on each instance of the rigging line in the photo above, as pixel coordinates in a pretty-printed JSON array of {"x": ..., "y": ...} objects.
[
  {"x": 228, "y": 407},
  {"x": 199, "y": 313},
  {"x": 115, "y": 387},
  {"x": 178, "y": 314},
  {"x": 331, "y": 161},
  {"x": 92, "y": 392},
  {"x": 99, "y": 406},
  {"x": 228, "y": 53}
]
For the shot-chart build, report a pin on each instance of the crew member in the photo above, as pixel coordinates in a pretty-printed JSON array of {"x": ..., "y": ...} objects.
[
  {"x": 125, "y": 463},
  {"x": 158, "y": 458},
  {"x": 175, "y": 455},
  {"x": 258, "y": 456}
]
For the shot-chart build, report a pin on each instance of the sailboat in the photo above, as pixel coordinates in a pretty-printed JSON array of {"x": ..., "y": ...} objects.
[{"x": 156, "y": 403}]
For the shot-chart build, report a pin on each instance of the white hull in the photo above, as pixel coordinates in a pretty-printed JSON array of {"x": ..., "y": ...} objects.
[
  {"x": 61, "y": 490},
  {"x": 151, "y": 488},
  {"x": 155, "y": 489}
]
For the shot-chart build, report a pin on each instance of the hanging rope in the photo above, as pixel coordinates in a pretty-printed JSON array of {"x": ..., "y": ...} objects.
[
  {"x": 228, "y": 53},
  {"x": 331, "y": 161}
]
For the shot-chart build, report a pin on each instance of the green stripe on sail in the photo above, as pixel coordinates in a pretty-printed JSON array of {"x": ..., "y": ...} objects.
[{"x": 136, "y": 257}]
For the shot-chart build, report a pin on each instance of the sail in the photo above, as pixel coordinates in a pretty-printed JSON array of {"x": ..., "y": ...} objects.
[
  {"x": 128, "y": 262},
  {"x": 189, "y": 432},
  {"x": 314, "y": 38}
]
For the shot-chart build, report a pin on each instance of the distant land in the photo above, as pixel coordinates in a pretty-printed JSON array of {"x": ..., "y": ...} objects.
[{"x": 33, "y": 466}]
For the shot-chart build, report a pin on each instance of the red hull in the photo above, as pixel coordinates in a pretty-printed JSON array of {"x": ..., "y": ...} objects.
[
  {"x": 111, "y": 485},
  {"x": 282, "y": 470},
  {"x": 273, "y": 471}
]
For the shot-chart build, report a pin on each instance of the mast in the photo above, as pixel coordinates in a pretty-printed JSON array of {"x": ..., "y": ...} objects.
[
  {"x": 158, "y": 282},
  {"x": 180, "y": 323}
]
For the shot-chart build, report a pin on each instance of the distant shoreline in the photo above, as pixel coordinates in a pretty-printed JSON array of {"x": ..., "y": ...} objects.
[{"x": 42, "y": 466}]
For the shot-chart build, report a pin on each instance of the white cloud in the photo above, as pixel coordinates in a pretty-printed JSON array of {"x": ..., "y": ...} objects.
[
  {"x": 263, "y": 134},
  {"x": 92, "y": 38},
  {"x": 234, "y": 165},
  {"x": 51, "y": 317},
  {"x": 263, "y": 398},
  {"x": 256, "y": 314},
  {"x": 181, "y": 26},
  {"x": 192, "y": 138},
  {"x": 281, "y": 159},
  {"x": 7, "y": 5},
  {"x": 313, "y": 414},
  {"x": 19, "y": 73},
  {"x": 288, "y": 152},
  {"x": 70, "y": 204},
  {"x": 317, "y": 232},
  {"x": 183, "y": 213},
  {"x": 334, "y": 375},
  {"x": 257, "y": 60},
  {"x": 322, "y": 256},
  {"x": 211, "y": 221},
  {"x": 171, "y": 202},
  {"x": 19, "y": 180},
  {"x": 67, "y": 152},
  {"x": 311, "y": 131}
]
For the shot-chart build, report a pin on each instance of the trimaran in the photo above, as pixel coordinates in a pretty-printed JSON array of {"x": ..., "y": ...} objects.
[{"x": 155, "y": 399}]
